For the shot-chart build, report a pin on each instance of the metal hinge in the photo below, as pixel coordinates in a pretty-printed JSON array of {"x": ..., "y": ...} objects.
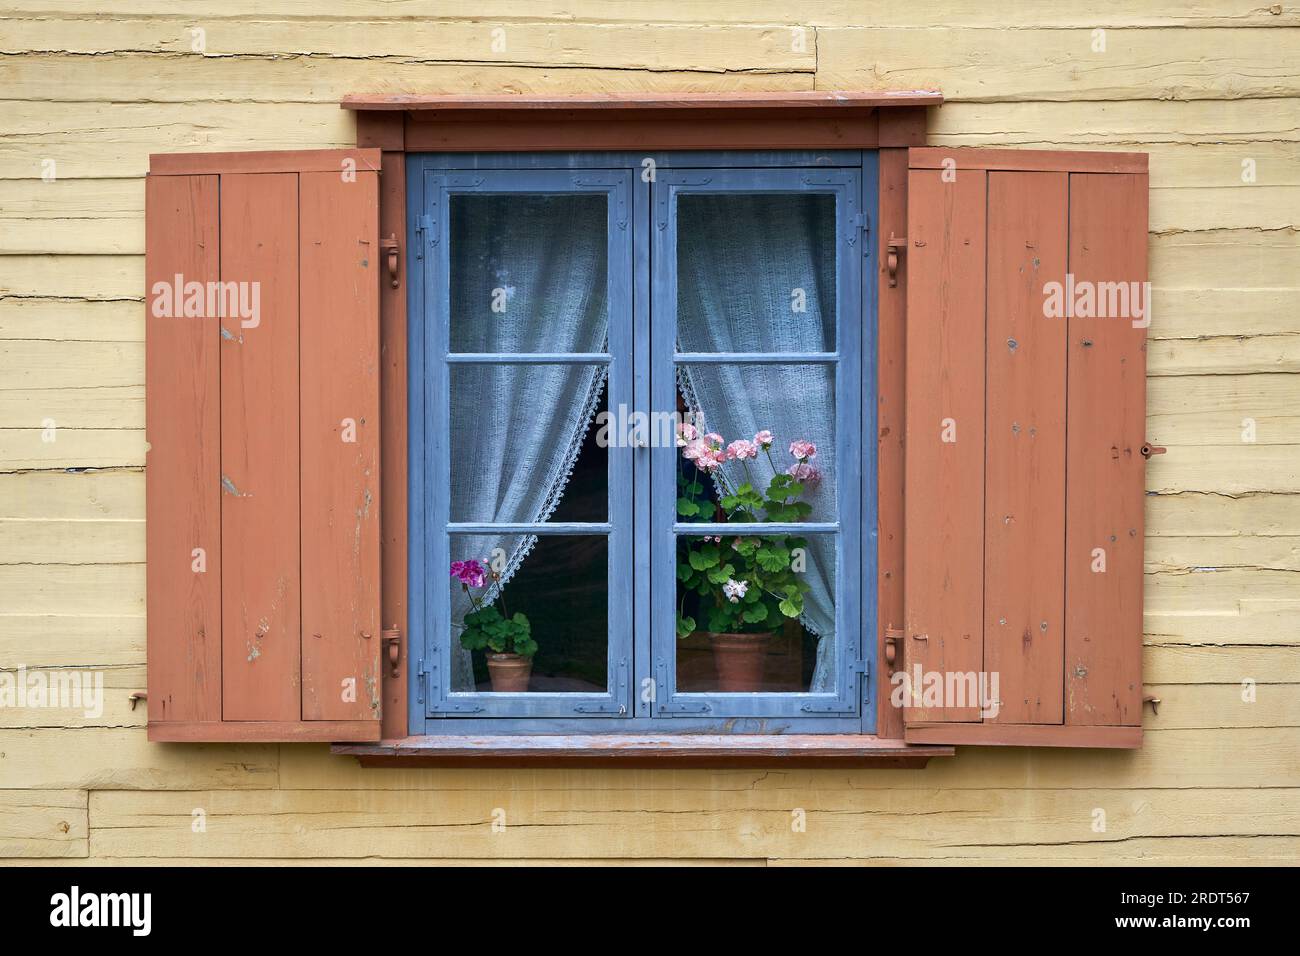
[
  {"x": 895, "y": 246},
  {"x": 676, "y": 707},
  {"x": 860, "y": 671},
  {"x": 391, "y": 641},
  {"x": 893, "y": 644},
  {"x": 424, "y": 232},
  {"x": 863, "y": 669},
  {"x": 685, "y": 708},
  {"x": 860, "y": 225},
  {"x": 616, "y": 706},
  {"x": 391, "y": 252}
]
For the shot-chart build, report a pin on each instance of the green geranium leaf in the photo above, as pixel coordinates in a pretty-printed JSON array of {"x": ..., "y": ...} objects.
[
  {"x": 773, "y": 558},
  {"x": 705, "y": 558}
]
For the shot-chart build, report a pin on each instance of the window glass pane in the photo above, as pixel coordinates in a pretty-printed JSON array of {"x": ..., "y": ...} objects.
[
  {"x": 760, "y": 442},
  {"x": 528, "y": 273},
  {"x": 756, "y": 272},
  {"x": 756, "y": 613},
  {"x": 558, "y": 584},
  {"x": 522, "y": 445}
]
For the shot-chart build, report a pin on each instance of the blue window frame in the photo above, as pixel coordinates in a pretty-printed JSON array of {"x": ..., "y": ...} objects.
[{"x": 644, "y": 363}]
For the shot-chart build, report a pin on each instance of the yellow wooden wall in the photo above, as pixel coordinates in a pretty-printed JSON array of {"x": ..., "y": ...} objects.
[{"x": 1203, "y": 87}]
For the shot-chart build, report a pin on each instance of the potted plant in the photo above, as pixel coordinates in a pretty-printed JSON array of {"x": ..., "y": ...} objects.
[
  {"x": 507, "y": 640},
  {"x": 748, "y": 584}
]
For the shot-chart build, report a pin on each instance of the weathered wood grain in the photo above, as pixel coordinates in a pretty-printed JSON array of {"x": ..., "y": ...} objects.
[
  {"x": 662, "y": 46},
  {"x": 1207, "y": 513},
  {"x": 72, "y": 319},
  {"x": 261, "y": 632},
  {"x": 1054, "y": 13},
  {"x": 43, "y": 824},
  {"x": 576, "y": 822},
  {"x": 1221, "y": 515},
  {"x": 119, "y": 78},
  {"x": 1025, "y": 438},
  {"x": 1060, "y": 65},
  {"x": 94, "y": 696},
  {"x": 61, "y": 640},
  {"x": 339, "y": 441},
  {"x": 122, "y": 759},
  {"x": 945, "y": 421}
]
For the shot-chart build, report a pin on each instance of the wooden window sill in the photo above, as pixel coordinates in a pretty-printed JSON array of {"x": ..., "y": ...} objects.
[{"x": 645, "y": 750}]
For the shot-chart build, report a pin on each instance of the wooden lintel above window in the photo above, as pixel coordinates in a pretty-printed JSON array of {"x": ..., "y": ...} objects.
[
  {"x": 807, "y": 119},
  {"x": 645, "y": 750},
  {"x": 609, "y": 102}
]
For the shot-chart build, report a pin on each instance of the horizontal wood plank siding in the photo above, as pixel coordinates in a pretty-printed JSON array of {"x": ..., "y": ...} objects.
[{"x": 95, "y": 93}]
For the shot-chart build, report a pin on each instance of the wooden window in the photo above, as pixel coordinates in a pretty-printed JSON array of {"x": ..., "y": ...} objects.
[
  {"x": 1014, "y": 549},
  {"x": 769, "y": 249}
]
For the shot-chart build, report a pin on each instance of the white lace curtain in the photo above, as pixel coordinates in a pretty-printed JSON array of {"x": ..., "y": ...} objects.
[
  {"x": 756, "y": 273},
  {"x": 528, "y": 274}
]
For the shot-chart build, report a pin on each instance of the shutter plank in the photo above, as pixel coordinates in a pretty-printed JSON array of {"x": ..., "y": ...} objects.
[
  {"x": 261, "y": 632},
  {"x": 944, "y": 509},
  {"x": 183, "y": 472},
  {"x": 1105, "y": 471},
  {"x": 1024, "y": 555},
  {"x": 340, "y": 264}
]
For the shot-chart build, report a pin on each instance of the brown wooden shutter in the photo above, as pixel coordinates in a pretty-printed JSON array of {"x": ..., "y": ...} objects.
[
  {"x": 262, "y": 475},
  {"x": 1024, "y": 446}
]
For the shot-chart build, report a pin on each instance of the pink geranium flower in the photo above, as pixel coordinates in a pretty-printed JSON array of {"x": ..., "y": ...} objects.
[
  {"x": 714, "y": 440},
  {"x": 686, "y": 433},
  {"x": 804, "y": 472},
  {"x": 764, "y": 439},
  {"x": 469, "y": 573},
  {"x": 803, "y": 450},
  {"x": 742, "y": 449}
]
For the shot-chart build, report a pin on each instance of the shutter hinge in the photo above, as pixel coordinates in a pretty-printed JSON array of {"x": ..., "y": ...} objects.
[
  {"x": 389, "y": 249},
  {"x": 391, "y": 640},
  {"x": 893, "y": 640},
  {"x": 895, "y": 246}
]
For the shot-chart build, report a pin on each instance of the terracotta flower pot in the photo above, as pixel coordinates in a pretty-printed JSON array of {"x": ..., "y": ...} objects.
[
  {"x": 509, "y": 672},
  {"x": 739, "y": 659}
]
